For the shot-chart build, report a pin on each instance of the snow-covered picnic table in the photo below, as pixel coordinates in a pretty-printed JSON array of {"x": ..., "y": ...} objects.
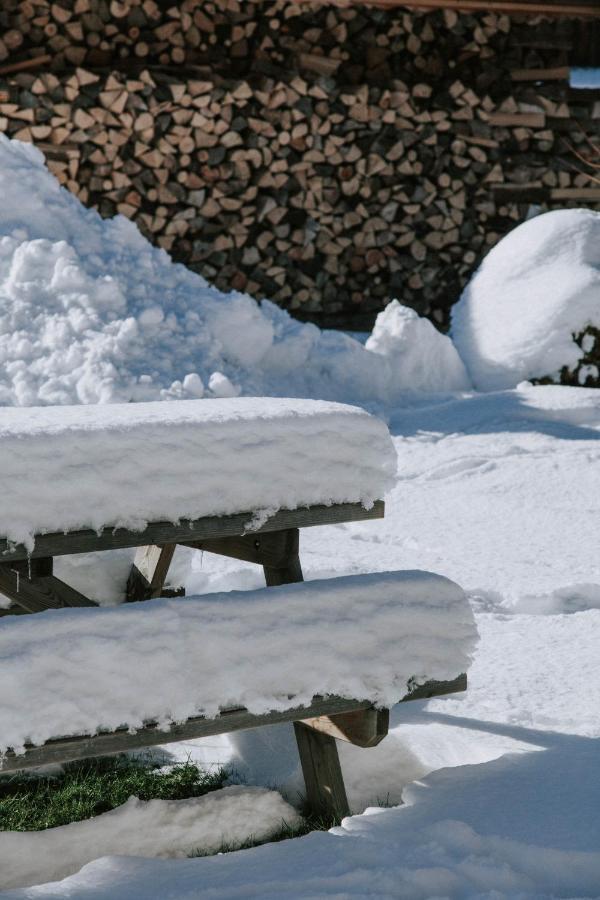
[{"x": 240, "y": 478}]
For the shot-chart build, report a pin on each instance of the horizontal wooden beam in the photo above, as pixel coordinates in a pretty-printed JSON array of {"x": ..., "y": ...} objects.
[
  {"x": 186, "y": 531},
  {"x": 68, "y": 749},
  {"x": 576, "y": 8},
  {"x": 361, "y": 727},
  {"x": 274, "y": 548}
]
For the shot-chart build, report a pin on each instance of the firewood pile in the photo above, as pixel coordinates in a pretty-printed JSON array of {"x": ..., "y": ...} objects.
[{"x": 325, "y": 158}]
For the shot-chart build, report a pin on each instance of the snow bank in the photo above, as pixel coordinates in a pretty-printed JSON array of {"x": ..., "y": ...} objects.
[
  {"x": 416, "y": 352},
  {"x": 536, "y": 289},
  {"x": 168, "y": 660},
  {"x": 164, "y": 828},
  {"x": 64, "y": 468},
  {"x": 90, "y": 312}
]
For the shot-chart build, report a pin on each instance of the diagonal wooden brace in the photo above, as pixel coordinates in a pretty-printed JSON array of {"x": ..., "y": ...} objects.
[
  {"x": 31, "y": 585},
  {"x": 149, "y": 571}
]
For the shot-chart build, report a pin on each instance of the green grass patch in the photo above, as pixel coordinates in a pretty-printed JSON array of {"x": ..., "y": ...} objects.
[{"x": 86, "y": 789}]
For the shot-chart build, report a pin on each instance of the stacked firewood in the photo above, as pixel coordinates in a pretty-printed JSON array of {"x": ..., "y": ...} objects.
[{"x": 303, "y": 167}]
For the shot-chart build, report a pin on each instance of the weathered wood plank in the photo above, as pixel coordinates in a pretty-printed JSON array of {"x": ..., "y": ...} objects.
[
  {"x": 583, "y": 8},
  {"x": 287, "y": 569},
  {"x": 84, "y": 746},
  {"x": 361, "y": 727},
  {"x": 436, "y": 689},
  {"x": 149, "y": 571},
  {"x": 32, "y": 586},
  {"x": 325, "y": 790},
  {"x": 214, "y": 527},
  {"x": 66, "y": 749},
  {"x": 272, "y": 548}
]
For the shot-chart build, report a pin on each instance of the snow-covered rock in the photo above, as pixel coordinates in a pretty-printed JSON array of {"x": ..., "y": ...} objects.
[
  {"x": 91, "y": 312},
  {"x": 536, "y": 290}
]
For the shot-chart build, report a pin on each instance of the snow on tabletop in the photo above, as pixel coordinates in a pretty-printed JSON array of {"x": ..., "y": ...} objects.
[
  {"x": 536, "y": 289},
  {"x": 67, "y": 468},
  {"x": 91, "y": 312},
  {"x": 163, "y": 828},
  {"x": 77, "y": 670}
]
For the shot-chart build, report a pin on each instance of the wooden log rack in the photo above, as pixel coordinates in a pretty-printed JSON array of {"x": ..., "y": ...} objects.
[{"x": 28, "y": 581}]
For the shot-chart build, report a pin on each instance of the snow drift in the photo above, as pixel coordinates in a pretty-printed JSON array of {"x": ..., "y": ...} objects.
[
  {"x": 533, "y": 292},
  {"x": 163, "y": 828},
  {"x": 90, "y": 312}
]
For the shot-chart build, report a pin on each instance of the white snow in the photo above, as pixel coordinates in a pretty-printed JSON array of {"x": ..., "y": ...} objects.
[
  {"x": 156, "y": 828},
  {"x": 428, "y": 358},
  {"x": 64, "y": 468},
  {"x": 539, "y": 286},
  {"x": 90, "y": 312},
  {"x": 499, "y": 491},
  {"x": 167, "y": 660}
]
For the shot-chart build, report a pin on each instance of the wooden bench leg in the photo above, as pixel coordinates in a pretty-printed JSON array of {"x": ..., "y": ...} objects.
[{"x": 325, "y": 791}]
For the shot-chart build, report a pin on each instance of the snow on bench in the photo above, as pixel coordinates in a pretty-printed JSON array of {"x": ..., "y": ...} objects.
[
  {"x": 236, "y": 477},
  {"x": 371, "y": 638},
  {"x": 89, "y": 467}
]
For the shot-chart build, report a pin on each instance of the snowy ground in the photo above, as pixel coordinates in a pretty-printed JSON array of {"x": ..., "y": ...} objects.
[{"x": 501, "y": 786}]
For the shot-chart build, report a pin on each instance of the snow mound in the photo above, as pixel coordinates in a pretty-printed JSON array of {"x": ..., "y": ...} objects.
[
  {"x": 90, "y": 312},
  {"x": 163, "y": 828},
  {"x": 416, "y": 352},
  {"x": 167, "y": 660},
  {"x": 534, "y": 291}
]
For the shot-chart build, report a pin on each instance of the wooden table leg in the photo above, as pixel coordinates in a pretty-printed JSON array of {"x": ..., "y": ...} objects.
[
  {"x": 325, "y": 790},
  {"x": 291, "y": 570}
]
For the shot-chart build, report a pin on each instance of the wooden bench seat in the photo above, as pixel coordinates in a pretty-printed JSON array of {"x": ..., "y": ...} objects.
[
  {"x": 318, "y": 726},
  {"x": 318, "y": 723}
]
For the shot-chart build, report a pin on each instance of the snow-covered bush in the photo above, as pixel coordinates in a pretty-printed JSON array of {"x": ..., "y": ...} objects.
[{"x": 532, "y": 310}]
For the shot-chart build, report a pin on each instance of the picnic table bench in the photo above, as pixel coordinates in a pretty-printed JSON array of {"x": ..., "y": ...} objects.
[{"x": 27, "y": 580}]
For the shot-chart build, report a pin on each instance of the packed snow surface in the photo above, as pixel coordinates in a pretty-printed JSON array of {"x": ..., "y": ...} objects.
[
  {"x": 65, "y": 468},
  {"x": 90, "y": 312},
  {"x": 156, "y": 828},
  {"x": 533, "y": 292},
  {"x": 167, "y": 660}
]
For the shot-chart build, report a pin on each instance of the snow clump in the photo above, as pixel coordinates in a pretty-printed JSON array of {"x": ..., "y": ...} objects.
[{"x": 429, "y": 358}]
